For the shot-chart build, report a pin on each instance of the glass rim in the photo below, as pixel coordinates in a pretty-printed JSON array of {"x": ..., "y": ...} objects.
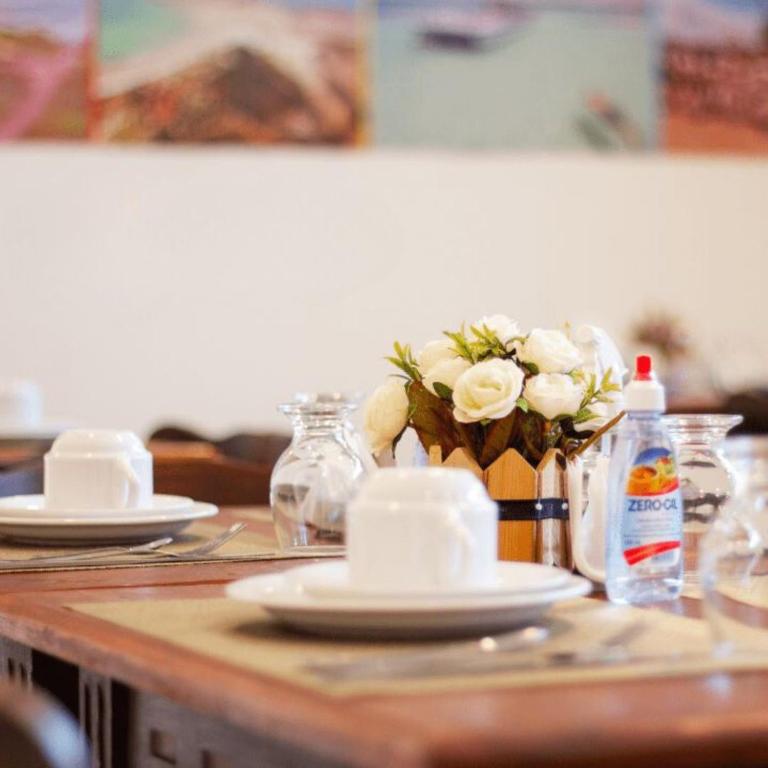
[
  {"x": 702, "y": 422},
  {"x": 345, "y": 398},
  {"x": 317, "y": 408}
]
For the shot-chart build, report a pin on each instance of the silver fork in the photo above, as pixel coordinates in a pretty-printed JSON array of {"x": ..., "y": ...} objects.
[
  {"x": 207, "y": 547},
  {"x": 150, "y": 548},
  {"x": 482, "y": 656}
]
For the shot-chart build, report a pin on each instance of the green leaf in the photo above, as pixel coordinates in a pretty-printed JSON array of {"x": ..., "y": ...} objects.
[
  {"x": 463, "y": 346},
  {"x": 443, "y": 391},
  {"x": 405, "y": 361},
  {"x": 522, "y": 404},
  {"x": 532, "y": 367},
  {"x": 583, "y": 415}
]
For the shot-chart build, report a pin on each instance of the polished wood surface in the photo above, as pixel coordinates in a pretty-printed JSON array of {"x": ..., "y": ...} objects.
[{"x": 707, "y": 720}]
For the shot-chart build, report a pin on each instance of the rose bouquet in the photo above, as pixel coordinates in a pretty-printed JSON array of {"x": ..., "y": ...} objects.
[{"x": 490, "y": 387}]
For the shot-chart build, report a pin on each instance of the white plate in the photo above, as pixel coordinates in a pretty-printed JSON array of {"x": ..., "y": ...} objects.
[
  {"x": 331, "y": 580},
  {"x": 34, "y": 508},
  {"x": 166, "y": 517},
  {"x": 285, "y": 598}
]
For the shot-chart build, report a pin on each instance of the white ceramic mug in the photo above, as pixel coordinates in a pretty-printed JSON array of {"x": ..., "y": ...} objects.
[
  {"x": 422, "y": 529},
  {"x": 97, "y": 469},
  {"x": 588, "y": 522},
  {"x": 21, "y": 404}
]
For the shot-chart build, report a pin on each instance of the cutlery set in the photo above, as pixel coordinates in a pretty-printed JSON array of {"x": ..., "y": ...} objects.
[
  {"x": 488, "y": 655},
  {"x": 155, "y": 549}
]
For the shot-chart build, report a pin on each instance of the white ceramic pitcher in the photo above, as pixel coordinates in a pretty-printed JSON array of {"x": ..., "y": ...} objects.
[{"x": 588, "y": 525}]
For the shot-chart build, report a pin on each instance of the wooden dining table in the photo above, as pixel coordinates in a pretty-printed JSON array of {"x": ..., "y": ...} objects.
[{"x": 148, "y": 704}]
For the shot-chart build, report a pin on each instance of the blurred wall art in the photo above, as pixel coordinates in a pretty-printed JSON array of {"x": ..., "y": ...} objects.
[
  {"x": 595, "y": 75},
  {"x": 44, "y": 68}
]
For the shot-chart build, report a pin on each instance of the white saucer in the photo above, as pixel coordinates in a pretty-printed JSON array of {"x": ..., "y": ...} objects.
[
  {"x": 331, "y": 580},
  {"x": 26, "y": 519},
  {"x": 285, "y": 597},
  {"x": 35, "y": 508}
]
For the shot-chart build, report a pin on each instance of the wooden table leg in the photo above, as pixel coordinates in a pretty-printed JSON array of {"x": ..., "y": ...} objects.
[
  {"x": 15, "y": 662},
  {"x": 96, "y": 716}
]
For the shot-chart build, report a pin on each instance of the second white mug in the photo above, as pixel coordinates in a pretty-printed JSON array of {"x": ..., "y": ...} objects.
[
  {"x": 422, "y": 530},
  {"x": 97, "y": 469}
]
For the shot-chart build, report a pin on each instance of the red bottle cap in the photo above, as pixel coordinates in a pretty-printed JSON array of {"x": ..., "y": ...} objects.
[{"x": 643, "y": 368}]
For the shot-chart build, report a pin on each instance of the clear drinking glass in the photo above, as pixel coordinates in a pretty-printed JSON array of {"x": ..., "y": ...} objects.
[
  {"x": 733, "y": 577},
  {"x": 317, "y": 475},
  {"x": 748, "y": 455},
  {"x": 707, "y": 479}
]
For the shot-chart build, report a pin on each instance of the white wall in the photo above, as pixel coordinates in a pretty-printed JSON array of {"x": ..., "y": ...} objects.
[{"x": 205, "y": 285}]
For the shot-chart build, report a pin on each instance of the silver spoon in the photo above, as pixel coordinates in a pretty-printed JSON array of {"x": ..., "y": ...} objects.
[
  {"x": 418, "y": 663},
  {"x": 484, "y": 656}
]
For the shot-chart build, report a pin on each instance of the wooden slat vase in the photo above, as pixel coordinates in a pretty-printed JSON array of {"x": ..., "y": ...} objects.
[{"x": 533, "y": 503}]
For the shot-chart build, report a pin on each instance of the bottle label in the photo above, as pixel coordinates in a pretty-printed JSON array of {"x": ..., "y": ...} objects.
[{"x": 653, "y": 513}]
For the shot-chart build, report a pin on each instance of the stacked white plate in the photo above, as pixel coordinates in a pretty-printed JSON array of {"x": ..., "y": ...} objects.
[
  {"x": 28, "y": 519},
  {"x": 319, "y": 598}
]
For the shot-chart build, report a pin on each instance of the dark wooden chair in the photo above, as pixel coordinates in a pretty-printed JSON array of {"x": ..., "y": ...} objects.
[
  {"x": 22, "y": 478},
  {"x": 36, "y": 732},
  {"x": 229, "y": 472},
  {"x": 215, "y": 479},
  {"x": 752, "y": 404},
  {"x": 256, "y": 448}
]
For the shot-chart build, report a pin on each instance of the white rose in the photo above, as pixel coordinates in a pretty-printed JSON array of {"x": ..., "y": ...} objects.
[
  {"x": 488, "y": 390},
  {"x": 386, "y": 414},
  {"x": 446, "y": 372},
  {"x": 599, "y": 353},
  {"x": 501, "y": 326},
  {"x": 549, "y": 351},
  {"x": 435, "y": 352},
  {"x": 553, "y": 394}
]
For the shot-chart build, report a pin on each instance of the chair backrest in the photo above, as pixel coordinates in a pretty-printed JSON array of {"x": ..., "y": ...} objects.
[
  {"x": 23, "y": 478},
  {"x": 36, "y": 732},
  {"x": 256, "y": 448},
  {"x": 215, "y": 479},
  {"x": 753, "y": 406},
  {"x": 233, "y": 471}
]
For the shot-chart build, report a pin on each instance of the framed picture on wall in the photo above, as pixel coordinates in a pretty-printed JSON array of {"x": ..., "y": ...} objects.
[
  {"x": 268, "y": 72},
  {"x": 44, "y": 69}
]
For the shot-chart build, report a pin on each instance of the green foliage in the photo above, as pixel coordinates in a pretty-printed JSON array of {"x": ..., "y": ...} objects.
[
  {"x": 405, "y": 361},
  {"x": 583, "y": 415},
  {"x": 464, "y": 347},
  {"x": 443, "y": 391},
  {"x": 487, "y": 343},
  {"x": 532, "y": 368}
]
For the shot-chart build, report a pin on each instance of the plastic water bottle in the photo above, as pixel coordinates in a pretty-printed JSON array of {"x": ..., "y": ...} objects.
[{"x": 644, "y": 545}]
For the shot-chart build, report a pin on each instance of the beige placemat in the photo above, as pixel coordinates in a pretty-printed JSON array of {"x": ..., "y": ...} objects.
[
  {"x": 250, "y": 543},
  {"x": 751, "y": 591},
  {"x": 242, "y": 634}
]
